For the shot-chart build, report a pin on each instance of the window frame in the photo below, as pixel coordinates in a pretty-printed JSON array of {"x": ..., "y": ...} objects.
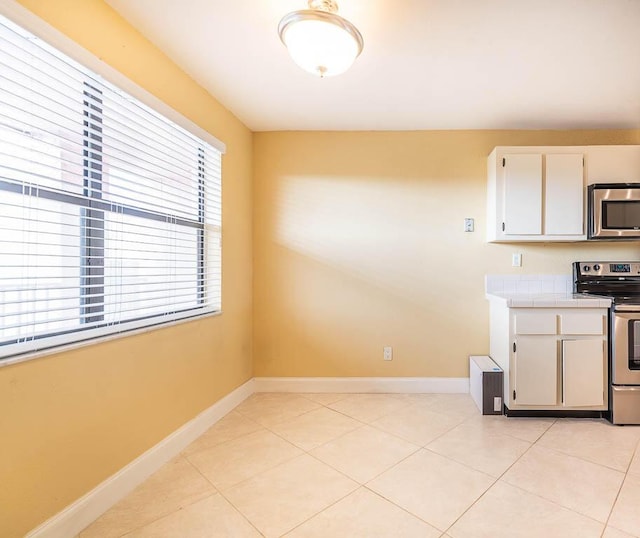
[{"x": 93, "y": 204}]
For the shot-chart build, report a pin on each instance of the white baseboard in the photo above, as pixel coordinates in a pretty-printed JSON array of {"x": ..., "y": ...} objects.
[
  {"x": 92, "y": 505},
  {"x": 363, "y": 384},
  {"x": 89, "y": 507}
]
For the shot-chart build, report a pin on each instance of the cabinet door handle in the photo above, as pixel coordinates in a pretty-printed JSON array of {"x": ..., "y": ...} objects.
[
  {"x": 503, "y": 226},
  {"x": 514, "y": 347}
]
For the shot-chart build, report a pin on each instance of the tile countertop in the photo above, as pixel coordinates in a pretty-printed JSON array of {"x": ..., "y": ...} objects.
[
  {"x": 548, "y": 300},
  {"x": 539, "y": 291}
]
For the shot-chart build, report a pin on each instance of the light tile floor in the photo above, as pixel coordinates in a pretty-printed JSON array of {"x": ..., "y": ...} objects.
[{"x": 388, "y": 465}]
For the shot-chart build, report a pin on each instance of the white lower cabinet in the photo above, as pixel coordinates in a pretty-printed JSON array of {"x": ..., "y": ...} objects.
[
  {"x": 553, "y": 358},
  {"x": 583, "y": 372},
  {"x": 535, "y": 371}
]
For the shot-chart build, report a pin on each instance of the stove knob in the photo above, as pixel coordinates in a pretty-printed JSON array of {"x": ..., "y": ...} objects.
[
  {"x": 586, "y": 268},
  {"x": 596, "y": 267}
]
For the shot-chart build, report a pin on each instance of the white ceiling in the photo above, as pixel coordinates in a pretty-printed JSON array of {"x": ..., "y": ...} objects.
[{"x": 426, "y": 64}]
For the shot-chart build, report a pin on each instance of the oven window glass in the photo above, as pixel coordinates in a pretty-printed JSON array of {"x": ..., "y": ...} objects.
[
  {"x": 634, "y": 345},
  {"x": 621, "y": 215}
]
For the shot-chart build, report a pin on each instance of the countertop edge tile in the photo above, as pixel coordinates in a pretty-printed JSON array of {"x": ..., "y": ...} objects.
[{"x": 548, "y": 300}]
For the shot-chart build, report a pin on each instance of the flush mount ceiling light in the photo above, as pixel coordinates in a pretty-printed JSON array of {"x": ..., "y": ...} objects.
[{"x": 319, "y": 40}]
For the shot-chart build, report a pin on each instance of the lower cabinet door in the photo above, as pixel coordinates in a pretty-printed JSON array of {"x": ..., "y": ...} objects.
[
  {"x": 536, "y": 371},
  {"x": 582, "y": 372}
]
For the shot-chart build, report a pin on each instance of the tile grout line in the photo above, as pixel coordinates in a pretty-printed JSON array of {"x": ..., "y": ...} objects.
[
  {"x": 221, "y": 493},
  {"x": 154, "y": 520},
  {"x": 307, "y": 452},
  {"x": 531, "y": 443},
  {"x": 419, "y": 448},
  {"x": 241, "y": 436},
  {"x": 557, "y": 451},
  {"x": 182, "y": 507},
  {"x": 626, "y": 473},
  {"x": 495, "y": 482},
  {"x": 365, "y": 485},
  {"x": 268, "y": 428},
  {"x": 265, "y": 428},
  {"x": 324, "y": 509},
  {"x": 241, "y": 513},
  {"x": 605, "y": 524},
  {"x": 359, "y": 484},
  {"x": 360, "y": 421},
  {"x": 553, "y": 502}
]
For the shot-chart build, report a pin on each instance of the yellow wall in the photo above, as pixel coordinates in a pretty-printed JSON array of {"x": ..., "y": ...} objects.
[
  {"x": 70, "y": 420},
  {"x": 359, "y": 244},
  {"x": 351, "y": 232}
]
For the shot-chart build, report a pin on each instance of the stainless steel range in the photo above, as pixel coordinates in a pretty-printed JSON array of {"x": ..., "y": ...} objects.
[{"x": 621, "y": 282}]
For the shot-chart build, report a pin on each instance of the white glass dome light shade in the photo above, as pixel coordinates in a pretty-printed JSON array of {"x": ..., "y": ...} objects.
[{"x": 321, "y": 43}]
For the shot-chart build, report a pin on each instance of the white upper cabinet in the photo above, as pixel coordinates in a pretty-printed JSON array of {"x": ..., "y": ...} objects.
[
  {"x": 564, "y": 194},
  {"x": 523, "y": 194},
  {"x": 536, "y": 194},
  {"x": 613, "y": 164}
]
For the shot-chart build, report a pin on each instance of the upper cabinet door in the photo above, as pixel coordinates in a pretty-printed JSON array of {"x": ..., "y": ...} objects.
[
  {"x": 564, "y": 194},
  {"x": 523, "y": 194},
  {"x": 613, "y": 164}
]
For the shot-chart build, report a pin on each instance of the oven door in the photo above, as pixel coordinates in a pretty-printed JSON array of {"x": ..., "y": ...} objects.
[
  {"x": 614, "y": 211},
  {"x": 625, "y": 351}
]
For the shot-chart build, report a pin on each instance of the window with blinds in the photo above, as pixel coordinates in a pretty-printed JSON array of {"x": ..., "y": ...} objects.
[{"x": 110, "y": 213}]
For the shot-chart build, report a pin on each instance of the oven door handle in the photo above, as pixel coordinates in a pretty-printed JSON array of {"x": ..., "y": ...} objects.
[{"x": 626, "y": 308}]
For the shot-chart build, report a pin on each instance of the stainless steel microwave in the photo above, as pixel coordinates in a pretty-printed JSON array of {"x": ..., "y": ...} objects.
[{"x": 614, "y": 211}]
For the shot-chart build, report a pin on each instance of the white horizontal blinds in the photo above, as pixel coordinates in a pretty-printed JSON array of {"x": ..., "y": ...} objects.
[
  {"x": 110, "y": 214},
  {"x": 39, "y": 113}
]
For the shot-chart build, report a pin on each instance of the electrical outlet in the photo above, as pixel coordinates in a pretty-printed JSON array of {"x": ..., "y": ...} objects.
[
  {"x": 516, "y": 260},
  {"x": 468, "y": 225},
  {"x": 388, "y": 353}
]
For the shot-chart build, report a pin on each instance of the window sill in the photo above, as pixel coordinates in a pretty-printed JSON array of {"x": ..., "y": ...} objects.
[{"x": 100, "y": 339}]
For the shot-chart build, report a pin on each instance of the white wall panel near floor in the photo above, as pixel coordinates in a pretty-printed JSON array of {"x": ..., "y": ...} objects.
[{"x": 363, "y": 384}]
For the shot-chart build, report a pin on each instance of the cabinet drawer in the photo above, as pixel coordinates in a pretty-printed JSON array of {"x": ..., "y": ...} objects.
[
  {"x": 535, "y": 323},
  {"x": 582, "y": 323}
]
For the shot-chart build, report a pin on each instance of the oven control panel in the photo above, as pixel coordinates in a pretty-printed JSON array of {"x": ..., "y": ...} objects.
[{"x": 609, "y": 268}]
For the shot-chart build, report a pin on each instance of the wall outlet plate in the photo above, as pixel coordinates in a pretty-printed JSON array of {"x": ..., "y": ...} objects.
[
  {"x": 388, "y": 353},
  {"x": 468, "y": 224}
]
